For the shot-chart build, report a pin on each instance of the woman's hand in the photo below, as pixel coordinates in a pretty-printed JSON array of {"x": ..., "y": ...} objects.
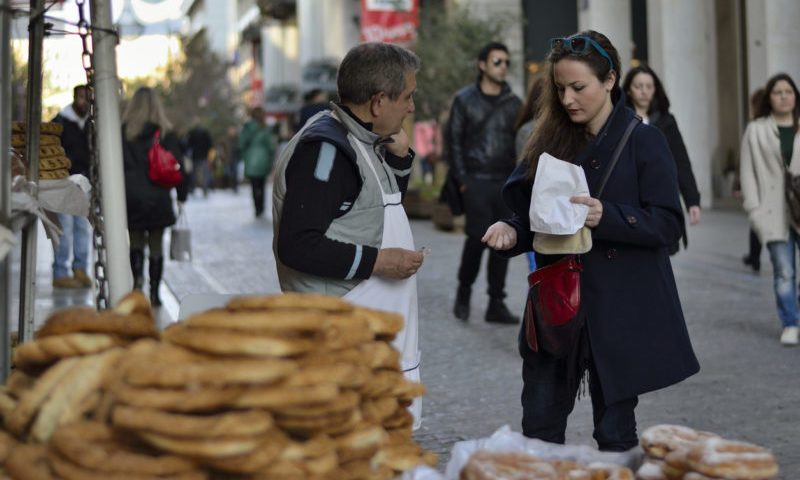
[
  {"x": 595, "y": 210},
  {"x": 500, "y": 236},
  {"x": 694, "y": 215}
]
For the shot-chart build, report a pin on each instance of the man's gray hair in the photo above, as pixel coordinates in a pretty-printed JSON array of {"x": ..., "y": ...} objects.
[{"x": 374, "y": 67}]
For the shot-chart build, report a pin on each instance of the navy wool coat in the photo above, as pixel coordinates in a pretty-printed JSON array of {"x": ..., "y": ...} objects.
[
  {"x": 637, "y": 333},
  {"x": 149, "y": 205}
]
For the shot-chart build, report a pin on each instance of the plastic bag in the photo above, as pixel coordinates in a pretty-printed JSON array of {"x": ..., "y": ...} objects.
[{"x": 180, "y": 245}]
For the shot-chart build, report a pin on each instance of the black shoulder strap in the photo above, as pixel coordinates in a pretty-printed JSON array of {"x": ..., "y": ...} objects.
[{"x": 617, "y": 152}]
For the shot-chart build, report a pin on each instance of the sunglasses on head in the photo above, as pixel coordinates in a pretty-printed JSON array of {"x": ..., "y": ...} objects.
[
  {"x": 578, "y": 45},
  {"x": 497, "y": 61}
]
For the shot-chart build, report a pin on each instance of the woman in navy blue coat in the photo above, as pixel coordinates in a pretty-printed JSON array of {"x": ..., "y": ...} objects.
[{"x": 634, "y": 339}]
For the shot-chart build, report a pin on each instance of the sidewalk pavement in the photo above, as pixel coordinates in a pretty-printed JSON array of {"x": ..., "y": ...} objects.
[{"x": 748, "y": 387}]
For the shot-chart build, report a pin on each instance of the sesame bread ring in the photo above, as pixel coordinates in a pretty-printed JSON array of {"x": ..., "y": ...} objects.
[
  {"x": 177, "y": 399},
  {"x": 343, "y": 374},
  {"x": 697, "y": 476},
  {"x": 676, "y": 464},
  {"x": 86, "y": 320},
  {"x": 344, "y": 403},
  {"x": 51, "y": 151},
  {"x": 49, "y": 139},
  {"x": 485, "y": 465},
  {"x": 134, "y": 302},
  {"x": 380, "y": 322},
  {"x": 346, "y": 331},
  {"x": 609, "y": 471},
  {"x": 312, "y": 468},
  {"x": 67, "y": 402},
  {"x": 228, "y": 342},
  {"x": 230, "y": 423},
  {"x": 67, "y": 470},
  {"x": 7, "y": 405},
  {"x": 382, "y": 383},
  {"x": 404, "y": 457},
  {"x": 265, "y": 452},
  {"x": 258, "y": 320},
  {"x": 92, "y": 445},
  {"x": 59, "y": 174},
  {"x": 50, "y": 128},
  {"x": 361, "y": 443},
  {"x": 301, "y": 301},
  {"x": 159, "y": 370},
  {"x": 29, "y": 462},
  {"x": 334, "y": 423},
  {"x": 363, "y": 469},
  {"x": 212, "y": 447},
  {"x": 658, "y": 440},
  {"x": 381, "y": 355},
  {"x": 17, "y": 421},
  {"x": 282, "y": 396},
  {"x": 54, "y": 163},
  {"x": 47, "y": 349},
  {"x": 7, "y": 443},
  {"x": 18, "y": 140},
  {"x": 376, "y": 410},
  {"x": 734, "y": 460}
]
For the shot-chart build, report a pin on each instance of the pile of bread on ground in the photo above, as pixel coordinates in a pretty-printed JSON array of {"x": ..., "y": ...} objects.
[
  {"x": 274, "y": 387},
  {"x": 53, "y": 163},
  {"x": 672, "y": 452}
]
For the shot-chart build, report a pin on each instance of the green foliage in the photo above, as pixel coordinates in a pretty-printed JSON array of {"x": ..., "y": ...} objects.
[
  {"x": 448, "y": 45},
  {"x": 195, "y": 89}
]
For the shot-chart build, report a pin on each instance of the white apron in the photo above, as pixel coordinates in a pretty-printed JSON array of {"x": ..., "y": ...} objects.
[{"x": 399, "y": 296}]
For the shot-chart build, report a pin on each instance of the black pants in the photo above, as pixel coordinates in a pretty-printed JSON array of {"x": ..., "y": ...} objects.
[
  {"x": 258, "y": 185},
  {"x": 548, "y": 397},
  {"x": 483, "y": 205},
  {"x": 496, "y": 270}
]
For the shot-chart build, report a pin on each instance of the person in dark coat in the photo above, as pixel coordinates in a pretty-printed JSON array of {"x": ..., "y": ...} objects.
[
  {"x": 645, "y": 94},
  {"x": 149, "y": 205},
  {"x": 634, "y": 338},
  {"x": 480, "y": 139}
]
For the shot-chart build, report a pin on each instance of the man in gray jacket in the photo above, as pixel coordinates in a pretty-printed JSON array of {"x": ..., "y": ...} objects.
[{"x": 480, "y": 133}]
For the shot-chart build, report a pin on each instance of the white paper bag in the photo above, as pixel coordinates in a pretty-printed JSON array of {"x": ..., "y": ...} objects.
[
  {"x": 180, "y": 245},
  {"x": 550, "y": 209}
]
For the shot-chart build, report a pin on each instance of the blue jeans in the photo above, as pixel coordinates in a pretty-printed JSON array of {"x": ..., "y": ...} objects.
[
  {"x": 782, "y": 256},
  {"x": 74, "y": 242}
]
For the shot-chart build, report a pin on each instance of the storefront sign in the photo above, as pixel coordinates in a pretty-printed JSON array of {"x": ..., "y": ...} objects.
[{"x": 392, "y": 21}]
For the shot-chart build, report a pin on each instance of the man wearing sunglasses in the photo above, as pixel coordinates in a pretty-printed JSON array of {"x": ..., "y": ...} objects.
[{"x": 480, "y": 141}]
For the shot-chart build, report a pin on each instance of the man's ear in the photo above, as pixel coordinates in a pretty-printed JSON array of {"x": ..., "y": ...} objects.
[
  {"x": 376, "y": 103},
  {"x": 482, "y": 65}
]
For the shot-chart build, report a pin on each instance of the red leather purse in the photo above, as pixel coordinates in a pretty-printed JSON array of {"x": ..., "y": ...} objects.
[
  {"x": 553, "y": 314},
  {"x": 164, "y": 169}
]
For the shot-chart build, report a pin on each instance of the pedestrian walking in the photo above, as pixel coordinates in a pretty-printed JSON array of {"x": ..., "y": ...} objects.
[
  {"x": 199, "y": 143},
  {"x": 770, "y": 145},
  {"x": 631, "y": 335},
  {"x": 257, "y": 147},
  {"x": 481, "y": 154},
  {"x": 149, "y": 205},
  {"x": 753, "y": 255},
  {"x": 645, "y": 94},
  {"x": 338, "y": 217},
  {"x": 74, "y": 241}
]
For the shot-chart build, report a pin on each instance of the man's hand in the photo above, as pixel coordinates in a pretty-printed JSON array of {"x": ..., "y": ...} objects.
[
  {"x": 694, "y": 215},
  {"x": 595, "y": 210},
  {"x": 500, "y": 236},
  {"x": 397, "y": 263},
  {"x": 399, "y": 147}
]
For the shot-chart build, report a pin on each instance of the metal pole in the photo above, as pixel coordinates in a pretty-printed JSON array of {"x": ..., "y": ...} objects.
[
  {"x": 33, "y": 116},
  {"x": 109, "y": 146},
  {"x": 5, "y": 183}
]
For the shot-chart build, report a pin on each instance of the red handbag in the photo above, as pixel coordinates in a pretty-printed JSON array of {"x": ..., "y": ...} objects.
[
  {"x": 553, "y": 314},
  {"x": 164, "y": 169}
]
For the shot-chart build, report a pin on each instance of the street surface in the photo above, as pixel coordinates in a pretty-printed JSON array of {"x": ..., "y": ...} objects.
[{"x": 748, "y": 388}]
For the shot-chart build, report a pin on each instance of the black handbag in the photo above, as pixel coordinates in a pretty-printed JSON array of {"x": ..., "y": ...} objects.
[
  {"x": 792, "y": 192},
  {"x": 554, "y": 313}
]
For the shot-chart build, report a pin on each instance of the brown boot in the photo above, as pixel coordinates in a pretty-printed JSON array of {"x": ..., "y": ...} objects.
[
  {"x": 82, "y": 277},
  {"x": 66, "y": 282}
]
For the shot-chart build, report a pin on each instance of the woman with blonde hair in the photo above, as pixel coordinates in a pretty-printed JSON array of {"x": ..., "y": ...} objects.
[
  {"x": 771, "y": 144},
  {"x": 149, "y": 205}
]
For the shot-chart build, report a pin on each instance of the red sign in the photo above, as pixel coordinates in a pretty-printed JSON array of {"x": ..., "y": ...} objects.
[{"x": 391, "y": 21}]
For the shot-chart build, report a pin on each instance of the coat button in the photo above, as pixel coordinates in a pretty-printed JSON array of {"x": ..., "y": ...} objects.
[
  {"x": 611, "y": 253},
  {"x": 594, "y": 164},
  {"x": 631, "y": 219}
]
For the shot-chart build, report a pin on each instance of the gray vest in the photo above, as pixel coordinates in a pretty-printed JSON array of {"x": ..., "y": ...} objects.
[{"x": 362, "y": 225}]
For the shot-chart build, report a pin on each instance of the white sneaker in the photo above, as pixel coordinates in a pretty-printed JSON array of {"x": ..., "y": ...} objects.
[{"x": 790, "y": 336}]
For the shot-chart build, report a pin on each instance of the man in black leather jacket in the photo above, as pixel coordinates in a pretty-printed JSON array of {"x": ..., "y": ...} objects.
[{"x": 481, "y": 154}]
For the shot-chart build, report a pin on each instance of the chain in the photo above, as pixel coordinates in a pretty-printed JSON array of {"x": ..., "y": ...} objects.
[{"x": 95, "y": 206}]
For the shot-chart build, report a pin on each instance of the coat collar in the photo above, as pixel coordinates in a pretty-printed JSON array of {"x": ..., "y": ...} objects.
[{"x": 606, "y": 140}]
